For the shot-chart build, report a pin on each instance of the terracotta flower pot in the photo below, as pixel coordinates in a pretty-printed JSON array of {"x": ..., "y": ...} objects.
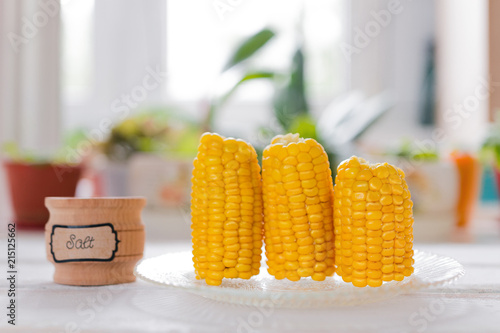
[{"x": 29, "y": 184}]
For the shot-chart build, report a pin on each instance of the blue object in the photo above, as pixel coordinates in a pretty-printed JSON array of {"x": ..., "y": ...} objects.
[{"x": 489, "y": 191}]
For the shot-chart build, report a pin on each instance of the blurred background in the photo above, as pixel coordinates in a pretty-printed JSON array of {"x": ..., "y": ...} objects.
[{"x": 109, "y": 98}]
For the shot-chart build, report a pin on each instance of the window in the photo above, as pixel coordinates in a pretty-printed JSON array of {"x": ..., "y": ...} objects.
[
  {"x": 77, "y": 76},
  {"x": 200, "y": 38},
  {"x": 77, "y": 41},
  {"x": 193, "y": 41}
]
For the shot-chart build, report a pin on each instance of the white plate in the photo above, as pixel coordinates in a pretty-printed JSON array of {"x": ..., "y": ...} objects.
[{"x": 176, "y": 270}]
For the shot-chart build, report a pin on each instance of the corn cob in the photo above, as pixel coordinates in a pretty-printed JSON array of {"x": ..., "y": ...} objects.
[
  {"x": 226, "y": 210},
  {"x": 298, "y": 209},
  {"x": 373, "y": 222}
]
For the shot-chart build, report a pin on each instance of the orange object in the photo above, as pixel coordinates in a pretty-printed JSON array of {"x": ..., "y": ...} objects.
[{"x": 469, "y": 171}]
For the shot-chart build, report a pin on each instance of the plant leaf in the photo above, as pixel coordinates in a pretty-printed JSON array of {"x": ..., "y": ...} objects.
[
  {"x": 247, "y": 77},
  {"x": 290, "y": 101},
  {"x": 252, "y": 75},
  {"x": 305, "y": 125},
  {"x": 249, "y": 47}
]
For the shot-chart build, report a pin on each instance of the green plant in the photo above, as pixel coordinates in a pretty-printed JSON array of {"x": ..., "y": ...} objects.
[
  {"x": 290, "y": 104},
  {"x": 409, "y": 151},
  {"x": 155, "y": 131},
  {"x": 14, "y": 153},
  {"x": 490, "y": 151}
]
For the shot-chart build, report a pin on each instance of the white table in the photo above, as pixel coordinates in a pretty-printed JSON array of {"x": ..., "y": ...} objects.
[{"x": 470, "y": 305}]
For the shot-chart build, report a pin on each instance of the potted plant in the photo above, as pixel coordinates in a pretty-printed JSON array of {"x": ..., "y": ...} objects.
[
  {"x": 290, "y": 104},
  {"x": 31, "y": 179},
  {"x": 150, "y": 154},
  {"x": 291, "y": 108}
]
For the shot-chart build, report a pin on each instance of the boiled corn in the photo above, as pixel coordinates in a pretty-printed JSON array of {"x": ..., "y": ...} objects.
[
  {"x": 226, "y": 210},
  {"x": 373, "y": 223},
  {"x": 298, "y": 209}
]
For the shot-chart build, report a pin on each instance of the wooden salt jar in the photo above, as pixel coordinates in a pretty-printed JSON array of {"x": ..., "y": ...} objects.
[{"x": 94, "y": 241}]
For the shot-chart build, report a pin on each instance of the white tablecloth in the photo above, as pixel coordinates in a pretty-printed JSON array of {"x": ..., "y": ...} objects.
[{"x": 470, "y": 305}]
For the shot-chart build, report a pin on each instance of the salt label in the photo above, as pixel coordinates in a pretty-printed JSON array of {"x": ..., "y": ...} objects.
[{"x": 97, "y": 242}]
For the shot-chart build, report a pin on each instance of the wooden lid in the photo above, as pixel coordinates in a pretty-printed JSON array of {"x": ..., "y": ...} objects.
[{"x": 103, "y": 202}]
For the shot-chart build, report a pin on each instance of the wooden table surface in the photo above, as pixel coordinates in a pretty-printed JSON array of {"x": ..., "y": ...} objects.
[{"x": 472, "y": 304}]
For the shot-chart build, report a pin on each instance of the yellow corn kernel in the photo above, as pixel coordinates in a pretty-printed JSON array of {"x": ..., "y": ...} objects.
[
  {"x": 373, "y": 219},
  {"x": 302, "y": 214},
  {"x": 226, "y": 193}
]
